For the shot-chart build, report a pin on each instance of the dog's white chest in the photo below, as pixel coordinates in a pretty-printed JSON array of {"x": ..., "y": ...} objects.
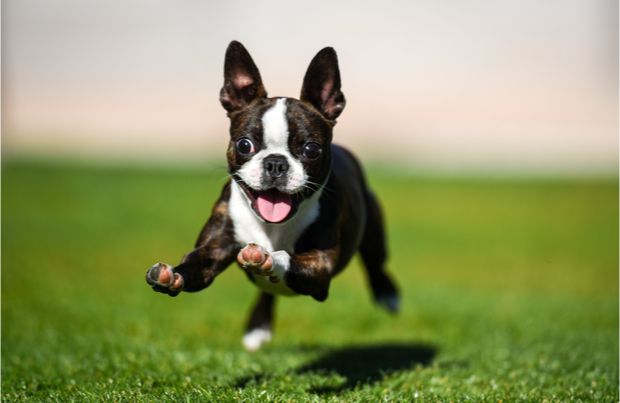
[{"x": 249, "y": 228}]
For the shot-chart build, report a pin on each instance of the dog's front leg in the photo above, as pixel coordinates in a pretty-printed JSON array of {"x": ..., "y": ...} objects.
[
  {"x": 215, "y": 250},
  {"x": 196, "y": 272},
  {"x": 307, "y": 273}
]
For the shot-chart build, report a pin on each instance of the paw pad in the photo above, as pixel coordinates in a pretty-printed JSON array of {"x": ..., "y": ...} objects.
[
  {"x": 255, "y": 259},
  {"x": 162, "y": 277}
]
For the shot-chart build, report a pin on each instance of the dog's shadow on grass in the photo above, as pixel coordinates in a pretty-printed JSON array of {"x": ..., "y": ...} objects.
[
  {"x": 360, "y": 365},
  {"x": 367, "y": 364}
]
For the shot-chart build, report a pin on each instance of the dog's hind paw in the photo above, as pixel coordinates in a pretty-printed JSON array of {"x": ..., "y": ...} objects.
[
  {"x": 389, "y": 302},
  {"x": 256, "y": 338},
  {"x": 161, "y": 277}
]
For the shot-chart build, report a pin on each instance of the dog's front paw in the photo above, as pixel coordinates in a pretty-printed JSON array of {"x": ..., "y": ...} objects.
[
  {"x": 161, "y": 277},
  {"x": 255, "y": 259}
]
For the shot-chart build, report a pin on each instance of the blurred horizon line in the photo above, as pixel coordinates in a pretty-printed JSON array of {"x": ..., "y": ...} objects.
[{"x": 370, "y": 160}]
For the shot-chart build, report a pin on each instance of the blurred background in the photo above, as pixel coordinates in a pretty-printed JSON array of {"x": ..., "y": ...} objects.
[
  {"x": 489, "y": 132},
  {"x": 518, "y": 86}
]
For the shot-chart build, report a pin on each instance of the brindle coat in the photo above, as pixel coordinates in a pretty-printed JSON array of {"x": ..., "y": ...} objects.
[{"x": 350, "y": 218}]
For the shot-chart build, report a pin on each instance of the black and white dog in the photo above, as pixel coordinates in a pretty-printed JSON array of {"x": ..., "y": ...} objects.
[{"x": 296, "y": 208}]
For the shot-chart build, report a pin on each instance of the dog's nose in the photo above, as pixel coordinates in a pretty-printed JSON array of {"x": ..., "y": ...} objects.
[{"x": 275, "y": 165}]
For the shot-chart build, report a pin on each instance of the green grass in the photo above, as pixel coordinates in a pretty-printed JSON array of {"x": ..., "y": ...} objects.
[{"x": 510, "y": 292}]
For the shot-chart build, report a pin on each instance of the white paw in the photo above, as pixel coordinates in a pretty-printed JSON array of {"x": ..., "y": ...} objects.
[{"x": 255, "y": 338}]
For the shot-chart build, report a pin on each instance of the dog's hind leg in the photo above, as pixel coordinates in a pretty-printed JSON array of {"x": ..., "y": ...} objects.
[
  {"x": 373, "y": 251},
  {"x": 259, "y": 326}
]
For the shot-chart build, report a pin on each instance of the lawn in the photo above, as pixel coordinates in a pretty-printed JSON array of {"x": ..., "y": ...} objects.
[{"x": 510, "y": 292}]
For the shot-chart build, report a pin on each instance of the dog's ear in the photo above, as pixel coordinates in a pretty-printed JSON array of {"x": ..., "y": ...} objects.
[
  {"x": 321, "y": 86},
  {"x": 242, "y": 82}
]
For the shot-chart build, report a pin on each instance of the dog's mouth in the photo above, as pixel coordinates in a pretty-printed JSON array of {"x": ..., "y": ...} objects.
[{"x": 272, "y": 205}]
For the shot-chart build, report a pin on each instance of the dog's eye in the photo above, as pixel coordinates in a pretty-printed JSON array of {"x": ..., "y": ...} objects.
[
  {"x": 312, "y": 151},
  {"x": 245, "y": 146}
]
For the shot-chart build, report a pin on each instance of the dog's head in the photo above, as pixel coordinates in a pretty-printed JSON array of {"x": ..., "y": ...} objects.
[{"x": 279, "y": 151}]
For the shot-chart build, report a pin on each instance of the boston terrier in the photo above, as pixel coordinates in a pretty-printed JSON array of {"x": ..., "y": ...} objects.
[{"x": 296, "y": 207}]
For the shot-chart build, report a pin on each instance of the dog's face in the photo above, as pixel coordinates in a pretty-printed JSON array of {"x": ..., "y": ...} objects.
[{"x": 279, "y": 150}]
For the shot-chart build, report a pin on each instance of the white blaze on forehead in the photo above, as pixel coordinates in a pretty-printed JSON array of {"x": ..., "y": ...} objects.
[
  {"x": 275, "y": 127},
  {"x": 275, "y": 141}
]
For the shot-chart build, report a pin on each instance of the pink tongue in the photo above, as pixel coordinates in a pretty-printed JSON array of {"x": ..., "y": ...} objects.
[{"x": 273, "y": 206}]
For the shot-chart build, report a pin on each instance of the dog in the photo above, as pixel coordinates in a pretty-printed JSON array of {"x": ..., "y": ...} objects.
[{"x": 296, "y": 207}]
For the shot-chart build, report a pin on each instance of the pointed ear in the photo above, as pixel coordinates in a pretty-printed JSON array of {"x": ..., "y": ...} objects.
[
  {"x": 321, "y": 86},
  {"x": 242, "y": 82}
]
